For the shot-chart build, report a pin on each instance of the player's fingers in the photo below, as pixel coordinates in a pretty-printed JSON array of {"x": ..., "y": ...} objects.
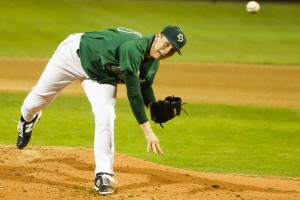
[
  {"x": 159, "y": 149},
  {"x": 154, "y": 147}
]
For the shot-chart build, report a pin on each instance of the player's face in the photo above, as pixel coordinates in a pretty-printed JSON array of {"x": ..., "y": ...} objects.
[{"x": 161, "y": 48}]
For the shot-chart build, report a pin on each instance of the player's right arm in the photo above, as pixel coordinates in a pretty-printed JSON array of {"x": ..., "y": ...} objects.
[
  {"x": 134, "y": 96},
  {"x": 136, "y": 101}
]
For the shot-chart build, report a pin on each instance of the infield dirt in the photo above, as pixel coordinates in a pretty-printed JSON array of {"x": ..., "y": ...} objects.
[{"x": 40, "y": 172}]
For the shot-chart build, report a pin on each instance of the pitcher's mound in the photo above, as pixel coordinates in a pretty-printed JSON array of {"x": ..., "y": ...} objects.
[{"x": 39, "y": 173}]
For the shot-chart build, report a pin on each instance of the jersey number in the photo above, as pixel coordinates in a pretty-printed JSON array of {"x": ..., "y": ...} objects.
[{"x": 126, "y": 30}]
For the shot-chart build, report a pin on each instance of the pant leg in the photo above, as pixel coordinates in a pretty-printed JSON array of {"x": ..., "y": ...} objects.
[
  {"x": 63, "y": 68},
  {"x": 102, "y": 98}
]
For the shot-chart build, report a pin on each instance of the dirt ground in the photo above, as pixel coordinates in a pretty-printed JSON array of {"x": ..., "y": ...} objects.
[{"x": 40, "y": 172}]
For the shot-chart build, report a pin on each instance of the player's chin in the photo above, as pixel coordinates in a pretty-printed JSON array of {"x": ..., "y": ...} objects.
[{"x": 159, "y": 56}]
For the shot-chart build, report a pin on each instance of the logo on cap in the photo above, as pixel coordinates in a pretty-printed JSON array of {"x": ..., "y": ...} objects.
[{"x": 180, "y": 38}]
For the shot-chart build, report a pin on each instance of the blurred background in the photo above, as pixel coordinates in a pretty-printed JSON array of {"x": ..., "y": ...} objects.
[{"x": 217, "y": 31}]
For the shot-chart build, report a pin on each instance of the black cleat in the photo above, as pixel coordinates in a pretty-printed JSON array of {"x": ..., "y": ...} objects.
[
  {"x": 25, "y": 130},
  {"x": 102, "y": 184}
]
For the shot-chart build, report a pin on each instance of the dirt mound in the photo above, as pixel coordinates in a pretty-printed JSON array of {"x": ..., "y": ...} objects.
[{"x": 67, "y": 172}]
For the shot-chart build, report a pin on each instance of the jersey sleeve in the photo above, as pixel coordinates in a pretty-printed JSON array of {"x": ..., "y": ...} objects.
[
  {"x": 146, "y": 86},
  {"x": 135, "y": 97},
  {"x": 131, "y": 56},
  {"x": 148, "y": 96},
  {"x": 147, "y": 90}
]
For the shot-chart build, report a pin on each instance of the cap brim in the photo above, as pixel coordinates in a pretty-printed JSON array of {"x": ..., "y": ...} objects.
[{"x": 175, "y": 46}]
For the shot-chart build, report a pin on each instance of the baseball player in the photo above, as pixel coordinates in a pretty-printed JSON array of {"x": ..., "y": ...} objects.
[{"x": 101, "y": 60}]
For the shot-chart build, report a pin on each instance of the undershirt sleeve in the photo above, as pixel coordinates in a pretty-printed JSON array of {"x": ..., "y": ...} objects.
[
  {"x": 135, "y": 96},
  {"x": 148, "y": 96}
]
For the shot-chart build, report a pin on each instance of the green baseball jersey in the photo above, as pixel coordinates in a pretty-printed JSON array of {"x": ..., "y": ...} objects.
[{"x": 118, "y": 55}]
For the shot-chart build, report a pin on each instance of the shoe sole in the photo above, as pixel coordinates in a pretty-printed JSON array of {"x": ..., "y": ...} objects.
[
  {"x": 103, "y": 193},
  {"x": 22, "y": 147}
]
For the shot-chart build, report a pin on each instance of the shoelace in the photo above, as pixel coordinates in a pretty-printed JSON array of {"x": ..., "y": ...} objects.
[
  {"x": 104, "y": 181},
  {"x": 106, "y": 178}
]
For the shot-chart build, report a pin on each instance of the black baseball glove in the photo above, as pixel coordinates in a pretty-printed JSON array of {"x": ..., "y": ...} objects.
[{"x": 164, "y": 110}]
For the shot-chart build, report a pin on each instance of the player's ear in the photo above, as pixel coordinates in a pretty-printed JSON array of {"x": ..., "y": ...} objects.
[{"x": 158, "y": 35}]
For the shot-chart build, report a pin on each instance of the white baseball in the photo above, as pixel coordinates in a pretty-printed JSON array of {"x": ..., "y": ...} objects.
[{"x": 252, "y": 7}]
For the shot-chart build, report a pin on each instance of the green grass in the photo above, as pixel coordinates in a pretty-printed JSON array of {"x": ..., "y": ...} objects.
[
  {"x": 212, "y": 138},
  {"x": 216, "y": 32}
]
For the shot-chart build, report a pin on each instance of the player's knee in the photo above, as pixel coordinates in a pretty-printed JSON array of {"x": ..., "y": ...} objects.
[{"x": 104, "y": 113}]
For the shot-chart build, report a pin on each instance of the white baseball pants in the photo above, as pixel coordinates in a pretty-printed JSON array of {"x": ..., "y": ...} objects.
[{"x": 63, "y": 68}]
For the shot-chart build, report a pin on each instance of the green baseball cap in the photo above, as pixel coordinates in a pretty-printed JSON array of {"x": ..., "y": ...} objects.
[{"x": 175, "y": 36}]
